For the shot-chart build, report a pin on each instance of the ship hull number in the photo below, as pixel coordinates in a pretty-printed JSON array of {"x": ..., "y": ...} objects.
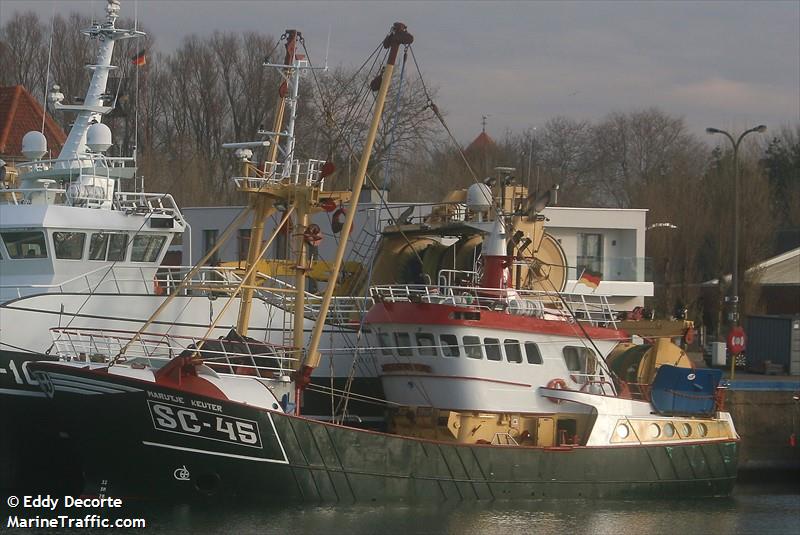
[{"x": 203, "y": 424}]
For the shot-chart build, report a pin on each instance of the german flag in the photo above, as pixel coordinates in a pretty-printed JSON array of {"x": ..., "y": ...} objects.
[
  {"x": 591, "y": 279},
  {"x": 139, "y": 59}
]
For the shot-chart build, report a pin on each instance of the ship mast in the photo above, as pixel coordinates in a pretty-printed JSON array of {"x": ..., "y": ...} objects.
[
  {"x": 92, "y": 108},
  {"x": 398, "y": 36}
]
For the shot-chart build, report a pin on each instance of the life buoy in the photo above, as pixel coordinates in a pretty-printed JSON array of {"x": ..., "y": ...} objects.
[
  {"x": 688, "y": 336},
  {"x": 313, "y": 234},
  {"x": 557, "y": 384},
  {"x": 337, "y": 220}
]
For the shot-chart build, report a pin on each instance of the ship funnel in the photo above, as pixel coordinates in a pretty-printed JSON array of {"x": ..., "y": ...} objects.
[
  {"x": 495, "y": 260},
  {"x": 98, "y": 137},
  {"x": 34, "y": 145}
]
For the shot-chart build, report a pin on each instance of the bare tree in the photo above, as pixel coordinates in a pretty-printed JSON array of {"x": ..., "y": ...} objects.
[{"x": 24, "y": 52}]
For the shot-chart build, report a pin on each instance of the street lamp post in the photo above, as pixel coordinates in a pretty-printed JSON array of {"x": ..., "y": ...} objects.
[{"x": 735, "y": 277}]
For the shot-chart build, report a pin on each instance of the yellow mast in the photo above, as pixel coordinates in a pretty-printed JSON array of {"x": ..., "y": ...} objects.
[
  {"x": 398, "y": 36},
  {"x": 263, "y": 206}
]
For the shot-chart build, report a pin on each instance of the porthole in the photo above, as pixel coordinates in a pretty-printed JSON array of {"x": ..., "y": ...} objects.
[
  {"x": 669, "y": 430},
  {"x": 623, "y": 431},
  {"x": 687, "y": 430},
  {"x": 702, "y": 430},
  {"x": 654, "y": 430}
]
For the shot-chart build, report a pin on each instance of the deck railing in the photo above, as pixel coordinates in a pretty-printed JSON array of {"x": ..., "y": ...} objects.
[
  {"x": 294, "y": 172},
  {"x": 594, "y": 309},
  {"x": 226, "y": 356}
]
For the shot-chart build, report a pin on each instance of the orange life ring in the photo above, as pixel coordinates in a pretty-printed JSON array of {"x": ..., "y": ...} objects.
[{"x": 557, "y": 384}]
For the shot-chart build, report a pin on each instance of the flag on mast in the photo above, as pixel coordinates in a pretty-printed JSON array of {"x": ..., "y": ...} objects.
[
  {"x": 139, "y": 59},
  {"x": 590, "y": 278}
]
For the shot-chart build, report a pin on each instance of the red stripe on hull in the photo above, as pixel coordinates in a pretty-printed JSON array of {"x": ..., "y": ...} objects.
[{"x": 437, "y": 314}]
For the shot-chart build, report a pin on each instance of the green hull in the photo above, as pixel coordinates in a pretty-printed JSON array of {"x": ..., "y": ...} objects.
[{"x": 301, "y": 460}]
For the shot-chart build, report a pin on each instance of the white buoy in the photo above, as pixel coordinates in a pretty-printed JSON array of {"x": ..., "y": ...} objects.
[
  {"x": 34, "y": 145},
  {"x": 98, "y": 137}
]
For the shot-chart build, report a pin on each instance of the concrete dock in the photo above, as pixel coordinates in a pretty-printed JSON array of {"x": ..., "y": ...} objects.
[{"x": 766, "y": 412}]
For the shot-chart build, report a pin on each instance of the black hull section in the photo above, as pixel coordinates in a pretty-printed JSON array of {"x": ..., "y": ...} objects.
[
  {"x": 137, "y": 451},
  {"x": 34, "y": 456}
]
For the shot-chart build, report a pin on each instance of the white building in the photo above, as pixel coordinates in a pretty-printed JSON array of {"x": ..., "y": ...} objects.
[{"x": 605, "y": 240}]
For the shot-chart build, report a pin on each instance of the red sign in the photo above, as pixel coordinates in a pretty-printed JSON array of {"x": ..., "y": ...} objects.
[{"x": 736, "y": 340}]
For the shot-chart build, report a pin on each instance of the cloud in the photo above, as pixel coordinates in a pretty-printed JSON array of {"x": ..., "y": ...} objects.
[{"x": 730, "y": 95}]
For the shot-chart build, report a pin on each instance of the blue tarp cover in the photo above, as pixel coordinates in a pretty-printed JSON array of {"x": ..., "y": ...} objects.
[{"x": 684, "y": 391}]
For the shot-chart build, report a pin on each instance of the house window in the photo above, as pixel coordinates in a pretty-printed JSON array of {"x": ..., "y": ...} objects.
[
  {"x": 449, "y": 345},
  {"x": 472, "y": 347},
  {"x": 69, "y": 245},
  {"x": 590, "y": 253},
  {"x": 513, "y": 353},
  {"x": 244, "y": 243},
  {"x": 492, "y": 349},
  {"x": 426, "y": 345},
  {"x": 146, "y": 248},
  {"x": 25, "y": 244},
  {"x": 210, "y": 236},
  {"x": 403, "y": 342},
  {"x": 532, "y": 353}
]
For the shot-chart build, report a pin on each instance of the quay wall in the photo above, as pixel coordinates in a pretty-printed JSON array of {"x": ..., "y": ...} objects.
[{"x": 765, "y": 418}]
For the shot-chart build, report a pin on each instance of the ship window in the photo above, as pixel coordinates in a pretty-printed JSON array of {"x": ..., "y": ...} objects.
[
  {"x": 578, "y": 359},
  {"x": 449, "y": 345},
  {"x": 472, "y": 347},
  {"x": 403, "y": 341},
  {"x": 69, "y": 245},
  {"x": 116, "y": 247},
  {"x": 146, "y": 248},
  {"x": 97, "y": 246},
  {"x": 25, "y": 244},
  {"x": 385, "y": 342},
  {"x": 532, "y": 353},
  {"x": 513, "y": 353},
  {"x": 426, "y": 345},
  {"x": 493, "y": 349}
]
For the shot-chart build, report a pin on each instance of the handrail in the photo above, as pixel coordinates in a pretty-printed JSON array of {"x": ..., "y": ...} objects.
[
  {"x": 543, "y": 304},
  {"x": 102, "y": 345}
]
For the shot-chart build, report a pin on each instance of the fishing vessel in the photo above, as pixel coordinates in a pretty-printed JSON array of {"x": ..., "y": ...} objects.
[
  {"x": 82, "y": 245},
  {"x": 578, "y": 434}
]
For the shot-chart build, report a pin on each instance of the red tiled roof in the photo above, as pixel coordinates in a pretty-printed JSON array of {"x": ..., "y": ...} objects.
[
  {"x": 19, "y": 114},
  {"x": 481, "y": 142}
]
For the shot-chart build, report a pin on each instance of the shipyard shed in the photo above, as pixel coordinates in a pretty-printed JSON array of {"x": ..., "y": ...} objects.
[{"x": 773, "y": 341}]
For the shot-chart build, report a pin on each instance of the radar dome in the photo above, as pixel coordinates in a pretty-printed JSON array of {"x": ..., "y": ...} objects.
[
  {"x": 98, "y": 137},
  {"x": 34, "y": 145},
  {"x": 479, "y": 197}
]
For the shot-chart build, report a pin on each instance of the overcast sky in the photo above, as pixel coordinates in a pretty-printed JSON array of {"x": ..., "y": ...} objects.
[{"x": 730, "y": 65}]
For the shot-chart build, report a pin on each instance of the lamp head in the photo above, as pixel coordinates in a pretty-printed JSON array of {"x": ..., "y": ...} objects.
[
  {"x": 760, "y": 128},
  {"x": 710, "y": 130}
]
